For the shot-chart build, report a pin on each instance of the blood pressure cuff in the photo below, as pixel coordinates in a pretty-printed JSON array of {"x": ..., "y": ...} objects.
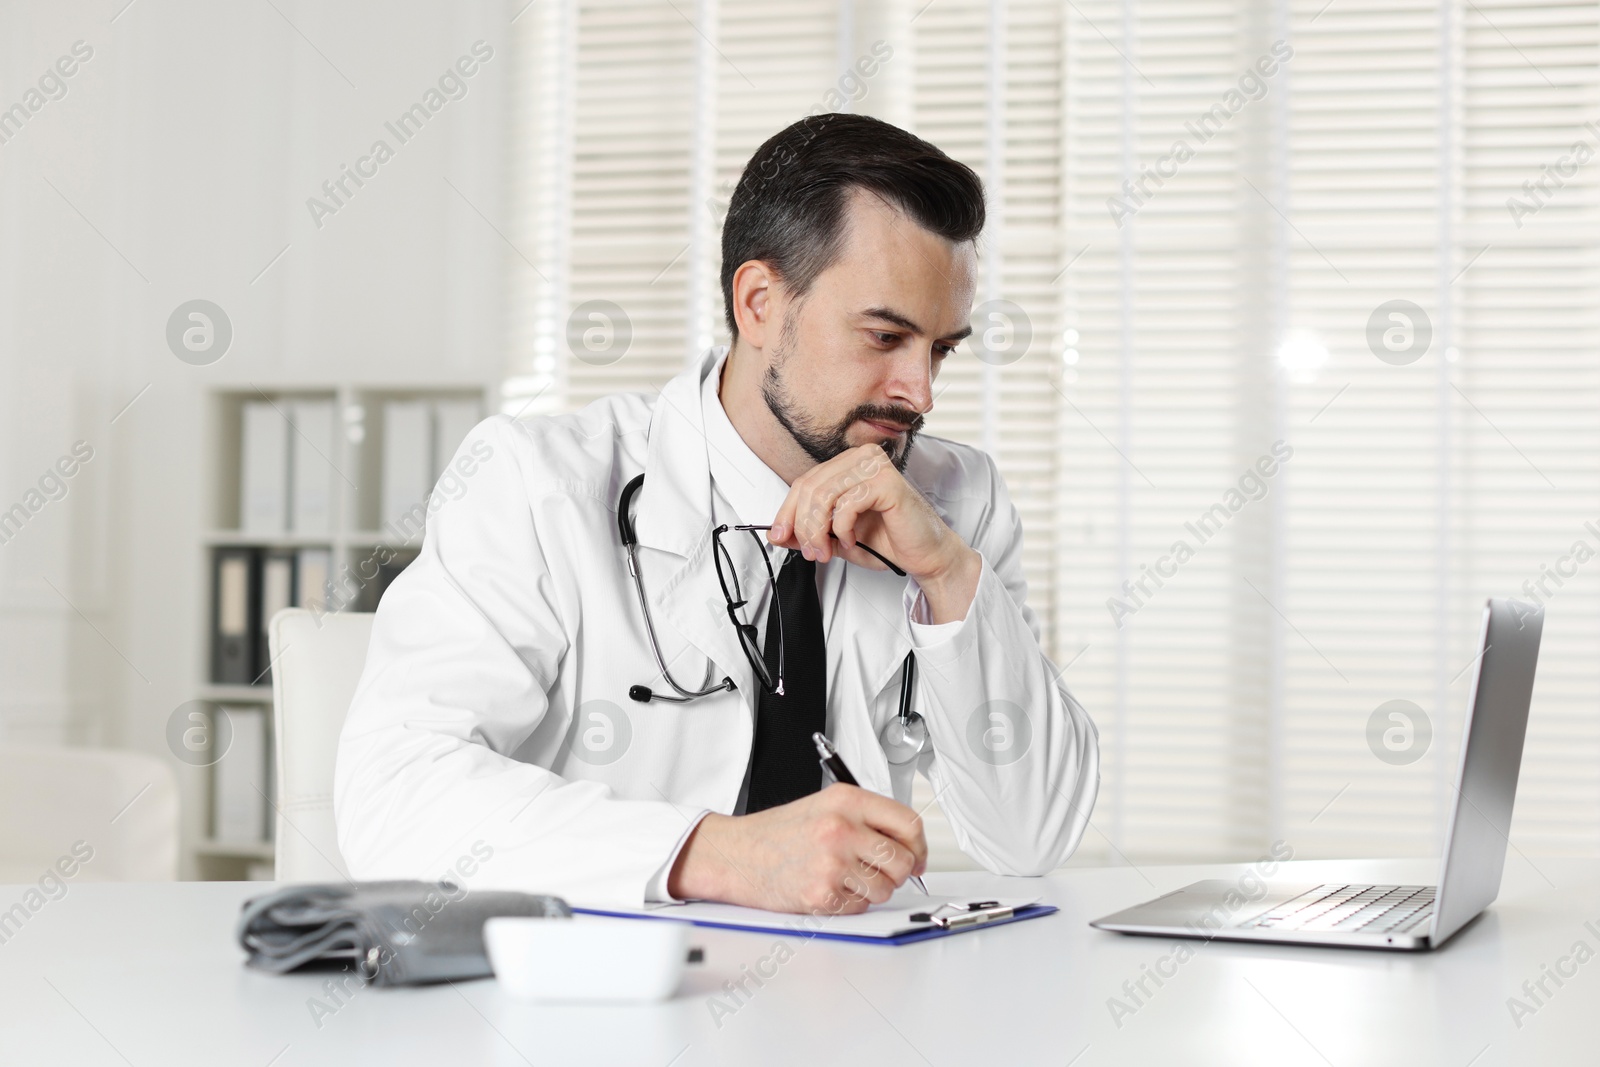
[{"x": 390, "y": 933}]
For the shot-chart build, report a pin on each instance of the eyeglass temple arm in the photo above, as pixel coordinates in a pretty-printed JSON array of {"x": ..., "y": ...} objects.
[{"x": 874, "y": 553}]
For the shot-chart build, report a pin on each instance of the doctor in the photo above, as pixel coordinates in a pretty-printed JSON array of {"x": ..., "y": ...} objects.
[{"x": 520, "y": 702}]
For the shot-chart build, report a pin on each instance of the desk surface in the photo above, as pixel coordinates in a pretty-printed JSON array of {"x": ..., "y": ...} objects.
[{"x": 149, "y": 974}]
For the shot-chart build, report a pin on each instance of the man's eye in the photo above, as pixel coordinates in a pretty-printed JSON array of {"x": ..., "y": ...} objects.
[
  {"x": 944, "y": 350},
  {"x": 885, "y": 338}
]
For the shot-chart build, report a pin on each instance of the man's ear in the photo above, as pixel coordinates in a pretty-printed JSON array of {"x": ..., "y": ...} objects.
[{"x": 753, "y": 285}]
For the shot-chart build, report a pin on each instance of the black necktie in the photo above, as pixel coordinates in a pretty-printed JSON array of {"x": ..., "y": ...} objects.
[{"x": 783, "y": 764}]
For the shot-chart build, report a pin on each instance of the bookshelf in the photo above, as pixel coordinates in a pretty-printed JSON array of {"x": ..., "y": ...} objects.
[{"x": 358, "y": 455}]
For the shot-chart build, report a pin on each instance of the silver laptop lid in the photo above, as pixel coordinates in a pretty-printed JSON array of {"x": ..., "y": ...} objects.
[{"x": 1491, "y": 755}]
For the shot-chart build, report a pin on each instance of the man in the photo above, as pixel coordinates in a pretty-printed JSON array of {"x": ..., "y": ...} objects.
[{"x": 517, "y": 696}]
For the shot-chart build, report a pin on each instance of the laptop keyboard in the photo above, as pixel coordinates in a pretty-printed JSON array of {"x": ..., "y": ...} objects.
[{"x": 1368, "y": 909}]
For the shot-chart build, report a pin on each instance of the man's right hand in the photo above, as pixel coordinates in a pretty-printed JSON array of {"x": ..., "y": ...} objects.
[{"x": 832, "y": 853}]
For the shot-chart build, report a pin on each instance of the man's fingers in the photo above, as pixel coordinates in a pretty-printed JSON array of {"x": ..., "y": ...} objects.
[
  {"x": 815, "y": 519},
  {"x": 808, "y": 512},
  {"x": 889, "y": 856},
  {"x": 846, "y": 509},
  {"x": 893, "y": 819},
  {"x": 877, "y": 869},
  {"x": 783, "y": 523},
  {"x": 853, "y": 521}
]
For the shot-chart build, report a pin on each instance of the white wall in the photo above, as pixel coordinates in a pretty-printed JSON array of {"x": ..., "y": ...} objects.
[{"x": 189, "y": 143}]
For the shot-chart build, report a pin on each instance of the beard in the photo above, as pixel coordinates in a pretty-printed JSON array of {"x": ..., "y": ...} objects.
[{"x": 823, "y": 441}]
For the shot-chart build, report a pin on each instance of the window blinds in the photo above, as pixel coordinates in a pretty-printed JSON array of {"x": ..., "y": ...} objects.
[{"x": 1258, "y": 506}]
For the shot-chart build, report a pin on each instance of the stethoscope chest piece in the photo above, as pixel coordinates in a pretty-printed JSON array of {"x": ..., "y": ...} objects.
[{"x": 905, "y": 737}]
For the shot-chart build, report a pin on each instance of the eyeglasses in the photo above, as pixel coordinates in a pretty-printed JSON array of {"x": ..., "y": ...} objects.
[
  {"x": 748, "y": 638},
  {"x": 728, "y": 577}
]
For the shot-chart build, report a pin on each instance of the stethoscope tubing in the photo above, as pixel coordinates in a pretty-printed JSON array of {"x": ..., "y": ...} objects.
[{"x": 630, "y": 544}]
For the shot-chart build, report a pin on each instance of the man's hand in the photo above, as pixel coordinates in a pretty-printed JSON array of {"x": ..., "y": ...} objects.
[
  {"x": 831, "y": 853},
  {"x": 859, "y": 495}
]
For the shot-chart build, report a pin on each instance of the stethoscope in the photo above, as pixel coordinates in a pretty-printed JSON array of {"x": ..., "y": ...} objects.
[{"x": 903, "y": 738}]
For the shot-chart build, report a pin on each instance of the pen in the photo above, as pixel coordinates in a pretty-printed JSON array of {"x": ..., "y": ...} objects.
[{"x": 828, "y": 756}]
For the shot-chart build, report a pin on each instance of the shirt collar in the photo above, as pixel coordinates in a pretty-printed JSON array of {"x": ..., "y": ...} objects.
[{"x": 752, "y": 489}]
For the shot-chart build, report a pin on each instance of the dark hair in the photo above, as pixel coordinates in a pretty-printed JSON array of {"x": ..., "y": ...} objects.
[{"x": 788, "y": 209}]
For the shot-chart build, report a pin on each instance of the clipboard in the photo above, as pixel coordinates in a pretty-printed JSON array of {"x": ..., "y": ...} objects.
[{"x": 904, "y": 919}]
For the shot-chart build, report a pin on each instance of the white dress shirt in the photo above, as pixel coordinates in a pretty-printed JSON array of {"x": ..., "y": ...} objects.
[{"x": 745, "y": 491}]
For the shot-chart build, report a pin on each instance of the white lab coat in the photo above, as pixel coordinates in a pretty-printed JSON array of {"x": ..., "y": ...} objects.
[{"x": 493, "y": 709}]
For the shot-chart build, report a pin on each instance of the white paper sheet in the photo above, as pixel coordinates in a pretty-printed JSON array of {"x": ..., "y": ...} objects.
[{"x": 889, "y": 919}]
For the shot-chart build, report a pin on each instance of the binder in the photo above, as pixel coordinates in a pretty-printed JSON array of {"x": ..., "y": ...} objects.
[
  {"x": 904, "y": 919},
  {"x": 312, "y": 569},
  {"x": 314, "y": 447},
  {"x": 234, "y": 589},
  {"x": 452, "y": 421},
  {"x": 264, "y": 470},
  {"x": 387, "y": 573},
  {"x": 407, "y": 458},
  {"x": 239, "y": 783},
  {"x": 277, "y": 593}
]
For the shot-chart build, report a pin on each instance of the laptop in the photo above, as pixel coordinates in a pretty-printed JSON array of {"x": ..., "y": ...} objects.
[{"x": 1402, "y": 917}]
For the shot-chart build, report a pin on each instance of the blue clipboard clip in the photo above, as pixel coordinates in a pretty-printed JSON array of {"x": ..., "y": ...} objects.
[{"x": 955, "y": 916}]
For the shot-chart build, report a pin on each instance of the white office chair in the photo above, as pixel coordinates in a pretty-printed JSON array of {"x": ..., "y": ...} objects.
[
  {"x": 316, "y": 664},
  {"x": 122, "y": 806},
  {"x": 315, "y": 669}
]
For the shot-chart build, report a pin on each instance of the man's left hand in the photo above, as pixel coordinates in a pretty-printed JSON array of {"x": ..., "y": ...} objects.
[{"x": 862, "y": 498}]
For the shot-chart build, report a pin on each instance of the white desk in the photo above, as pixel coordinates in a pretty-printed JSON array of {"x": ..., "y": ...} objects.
[{"x": 150, "y": 974}]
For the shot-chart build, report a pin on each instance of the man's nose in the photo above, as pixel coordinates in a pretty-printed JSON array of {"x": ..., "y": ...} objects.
[{"x": 912, "y": 384}]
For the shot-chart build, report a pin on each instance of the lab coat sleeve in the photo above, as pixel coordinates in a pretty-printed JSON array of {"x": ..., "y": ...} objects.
[
  {"x": 657, "y": 892},
  {"x": 1015, "y": 760},
  {"x": 465, "y": 647}
]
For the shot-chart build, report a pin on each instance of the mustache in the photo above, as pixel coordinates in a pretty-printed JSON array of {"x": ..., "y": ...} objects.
[{"x": 895, "y": 416}]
